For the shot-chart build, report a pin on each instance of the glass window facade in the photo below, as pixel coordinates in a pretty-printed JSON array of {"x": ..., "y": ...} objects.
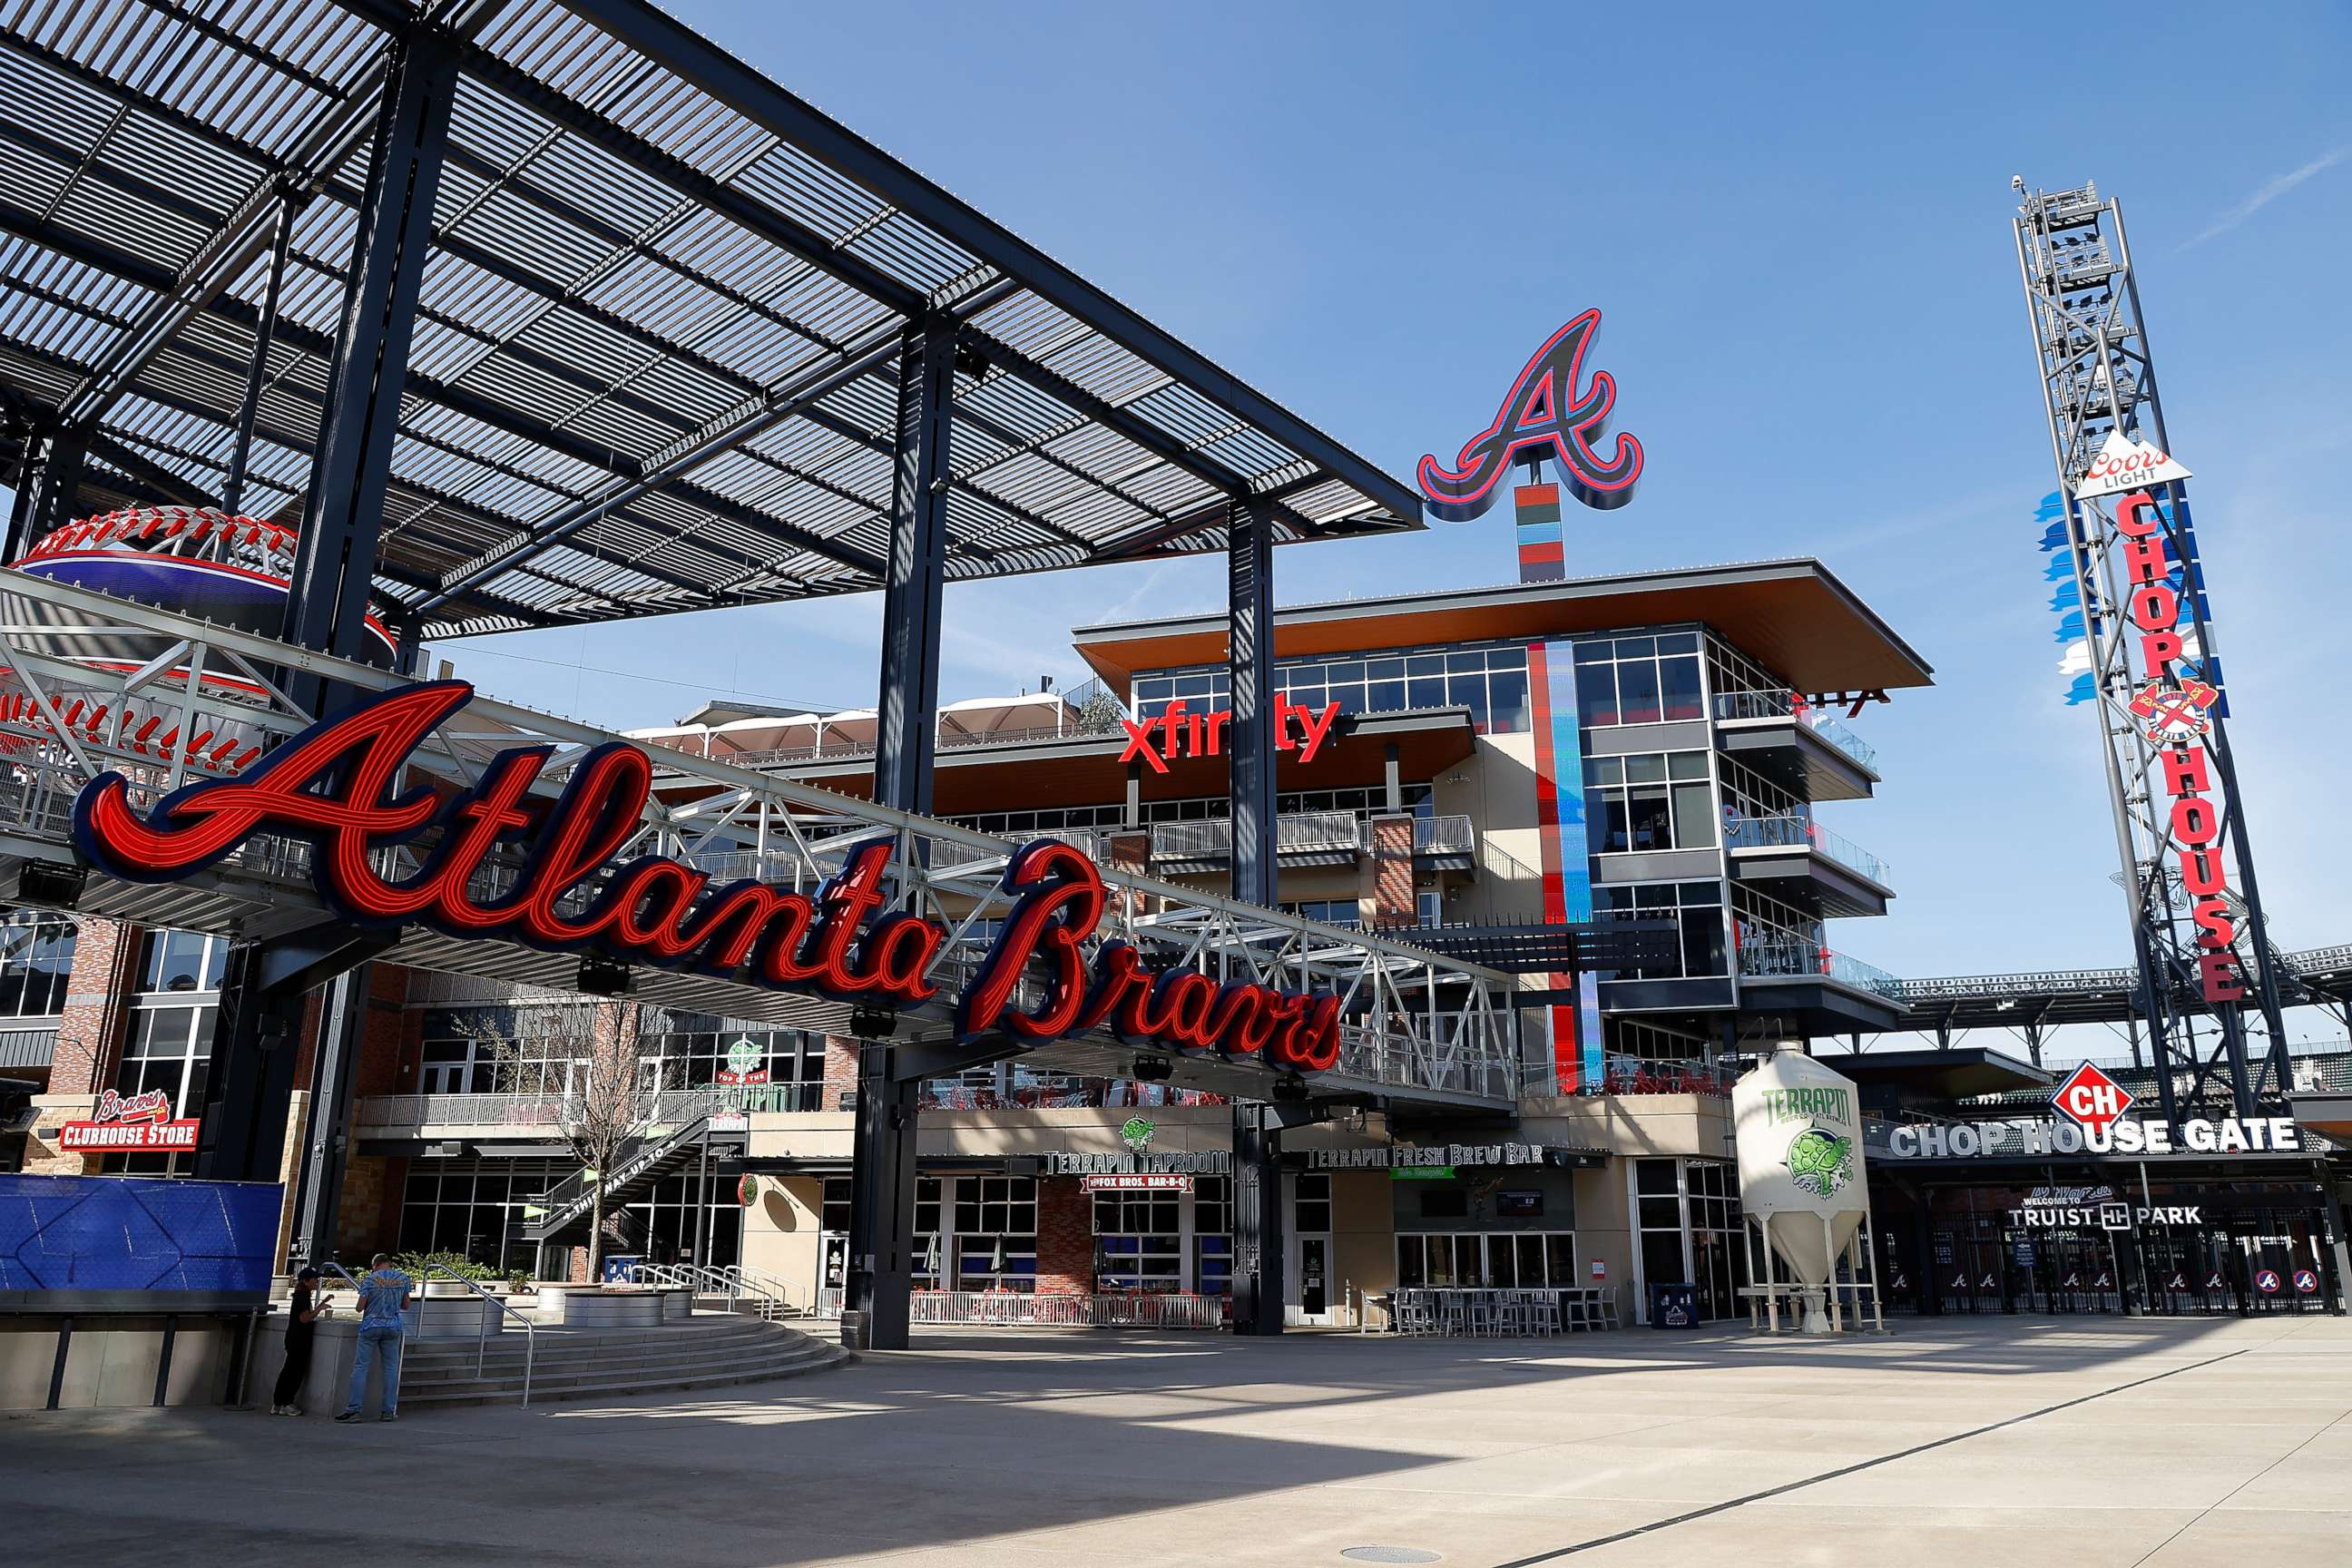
[
  {"x": 1638, "y": 679},
  {"x": 1696, "y": 907},
  {"x": 694, "y": 1051},
  {"x": 1652, "y": 800},
  {"x": 181, "y": 961},
  {"x": 1518, "y": 1260},
  {"x": 1490, "y": 680},
  {"x": 1139, "y": 1241},
  {"x": 996, "y": 1233},
  {"x": 35, "y": 956}
]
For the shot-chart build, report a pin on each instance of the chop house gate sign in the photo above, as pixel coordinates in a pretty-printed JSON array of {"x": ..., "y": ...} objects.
[{"x": 335, "y": 786}]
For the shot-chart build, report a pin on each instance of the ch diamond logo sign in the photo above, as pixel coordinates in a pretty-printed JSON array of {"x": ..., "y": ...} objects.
[{"x": 2091, "y": 1099}]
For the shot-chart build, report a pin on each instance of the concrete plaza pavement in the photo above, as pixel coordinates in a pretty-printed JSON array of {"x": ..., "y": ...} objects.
[{"x": 2087, "y": 1441}]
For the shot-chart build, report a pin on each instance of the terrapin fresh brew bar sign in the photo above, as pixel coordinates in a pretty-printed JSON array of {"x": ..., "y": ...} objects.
[{"x": 336, "y": 786}]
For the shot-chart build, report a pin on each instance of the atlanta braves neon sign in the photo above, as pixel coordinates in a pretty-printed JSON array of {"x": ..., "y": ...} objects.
[
  {"x": 1551, "y": 411},
  {"x": 333, "y": 786}
]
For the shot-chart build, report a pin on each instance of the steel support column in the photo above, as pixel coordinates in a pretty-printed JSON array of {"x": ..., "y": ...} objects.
[
  {"x": 24, "y": 505},
  {"x": 326, "y": 1144},
  {"x": 53, "y": 490},
  {"x": 334, "y": 560},
  {"x": 250, "y": 1088},
  {"x": 880, "y": 1275},
  {"x": 263, "y": 338},
  {"x": 908, "y": 706},
  {"x": 250, "y": 1082},
  {"x": 1250, "y": 739},
  {"x": 1259, "y": 1254}
]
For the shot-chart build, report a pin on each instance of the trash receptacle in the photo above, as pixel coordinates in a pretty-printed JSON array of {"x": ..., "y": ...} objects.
[
  {"x": 1674, "y": 1306},
  {"x": 620, "y": 1269}
]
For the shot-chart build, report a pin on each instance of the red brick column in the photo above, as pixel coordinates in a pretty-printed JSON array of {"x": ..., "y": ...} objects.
[
  {"x": 1066, "y": 1238},
  {"x": 90, "y": 1029},
  {"x": 1392, "y": 890},
  {"x": 1131, "y": 851},
  {"x": 840, "y": 1073}
]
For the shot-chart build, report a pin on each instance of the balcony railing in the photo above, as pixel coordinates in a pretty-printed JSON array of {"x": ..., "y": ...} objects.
[
  {"x": 410, "y": 1111},
  {"x": 1787, "y": 960},
  {"x": 1444, "y": 836},
  {"x": 1310, "y": 833},
  {"x": 1793, "y": 832},
  {"x": 1295, "y": 833},
  {"x": 1783, "y": 705},
  {"x": 1643, "y": 1075}
]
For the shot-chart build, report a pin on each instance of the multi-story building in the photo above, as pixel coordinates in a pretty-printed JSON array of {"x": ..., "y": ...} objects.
[{"x": 1464, "y": 770}]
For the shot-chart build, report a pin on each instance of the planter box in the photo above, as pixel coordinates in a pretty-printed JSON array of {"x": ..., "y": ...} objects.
[
  {"x": 447, "y": 1310},
  {"x": 591, "y": 1306}
]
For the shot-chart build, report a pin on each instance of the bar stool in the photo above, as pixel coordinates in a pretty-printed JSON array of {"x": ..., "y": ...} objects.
[
  {"x": 1543, "y": 1313},
  {"x": 1481, "y": 1308},
  {"x": 1607, "y": 1303},
  {"x": 1511, "y": 1314}
]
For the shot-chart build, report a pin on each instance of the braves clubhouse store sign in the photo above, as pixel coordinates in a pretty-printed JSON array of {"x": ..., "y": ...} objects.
[{"x": 334, "y": 786}]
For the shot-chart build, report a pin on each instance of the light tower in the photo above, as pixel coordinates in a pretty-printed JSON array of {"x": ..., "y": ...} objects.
[{"x": 2207, "y": 974}]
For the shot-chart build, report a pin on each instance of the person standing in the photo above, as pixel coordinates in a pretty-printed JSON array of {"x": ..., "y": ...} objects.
[
  {"x": 383, "y": 1295},
  {"x": 301, "y": 1319}
]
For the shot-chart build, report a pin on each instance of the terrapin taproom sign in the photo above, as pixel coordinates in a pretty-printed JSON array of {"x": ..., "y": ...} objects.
[{"x": 334, "y": 786}]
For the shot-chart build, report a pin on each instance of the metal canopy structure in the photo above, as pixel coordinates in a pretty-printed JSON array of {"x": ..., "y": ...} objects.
[{"x": 658, "y": 327}]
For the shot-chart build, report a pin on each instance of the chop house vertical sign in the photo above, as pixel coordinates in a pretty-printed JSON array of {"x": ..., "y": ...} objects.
[{"x": 2176, "y": 715}]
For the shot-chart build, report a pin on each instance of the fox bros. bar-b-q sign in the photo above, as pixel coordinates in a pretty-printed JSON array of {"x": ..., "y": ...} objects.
[{"x": 334, "y": 786}]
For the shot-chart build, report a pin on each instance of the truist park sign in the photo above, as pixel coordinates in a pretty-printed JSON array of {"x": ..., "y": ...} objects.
[{"x": 334, "y": 785}]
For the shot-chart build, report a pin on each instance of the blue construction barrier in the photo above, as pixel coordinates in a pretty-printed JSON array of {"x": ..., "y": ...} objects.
[{"x": 84, "y": 1234}]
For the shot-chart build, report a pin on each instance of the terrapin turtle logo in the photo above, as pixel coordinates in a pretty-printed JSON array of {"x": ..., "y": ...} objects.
[
  {"x": 1136, "y": 1131},
  {"x": 1820, "y": 1162}
]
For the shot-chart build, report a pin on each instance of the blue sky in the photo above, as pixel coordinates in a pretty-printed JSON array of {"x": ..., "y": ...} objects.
[{"x": 1795, "y": 221}]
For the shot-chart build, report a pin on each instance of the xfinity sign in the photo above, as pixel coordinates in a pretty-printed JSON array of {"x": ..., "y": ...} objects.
[{"x": 2091, "y": 1099}]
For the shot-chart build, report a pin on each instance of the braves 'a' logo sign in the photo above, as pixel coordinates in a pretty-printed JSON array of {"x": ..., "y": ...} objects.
[{"x": 1552, "y": 412}]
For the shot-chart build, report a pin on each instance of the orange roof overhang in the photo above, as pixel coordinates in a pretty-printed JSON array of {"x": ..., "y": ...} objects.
[
  {"x": 1794, "y": 615},
  {"x": 1088, "y": 769}
]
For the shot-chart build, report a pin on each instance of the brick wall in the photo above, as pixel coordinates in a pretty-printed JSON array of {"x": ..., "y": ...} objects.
[
  {"x": 840, "y": 1071},
  {"x": 1066, "y": 1238},
  {"x": 98, "y": 999},
  {"x": 90, "y": 1041},
  {"x": 369, "y": 1218},
  {"x": 1392, "y": 884}
]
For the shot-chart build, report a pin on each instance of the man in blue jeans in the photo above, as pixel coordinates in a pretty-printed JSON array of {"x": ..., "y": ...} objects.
[{"x": 383, "y": 1294}]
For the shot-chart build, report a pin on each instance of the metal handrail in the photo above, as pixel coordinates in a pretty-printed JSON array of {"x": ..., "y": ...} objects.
[
  {"x": 1797, "y": 830},
  {"x": 482, "y": 1336},
  {"x": 1735, "y": 705}
]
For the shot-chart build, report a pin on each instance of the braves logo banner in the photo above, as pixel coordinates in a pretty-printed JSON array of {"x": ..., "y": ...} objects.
[
  {"x": 1551, "y": 411},
  {"x": 332, "y": 786}
]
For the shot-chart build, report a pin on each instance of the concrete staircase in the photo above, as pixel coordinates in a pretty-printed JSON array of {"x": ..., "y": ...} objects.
[{"x": 708, "y": 1351}]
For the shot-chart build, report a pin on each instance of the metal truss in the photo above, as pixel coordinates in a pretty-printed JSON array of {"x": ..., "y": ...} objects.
[
  {"x": 1416, "y": 1027},
  {"x": 2098, "y": 376}
]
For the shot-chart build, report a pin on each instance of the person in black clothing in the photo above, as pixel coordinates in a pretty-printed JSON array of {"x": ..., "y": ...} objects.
[{"x": 301, "y": 1324}]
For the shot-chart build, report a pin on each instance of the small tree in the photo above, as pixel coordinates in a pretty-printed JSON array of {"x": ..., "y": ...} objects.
[
  {"x": 1100, "y": 713},
  {"x": 585, "y": 1052}
]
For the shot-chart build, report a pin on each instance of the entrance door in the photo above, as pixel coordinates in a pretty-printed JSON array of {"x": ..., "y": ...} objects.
[
  {"x": 1311, "y": 1278},
  {"x": 1312, "y": 1288}
]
